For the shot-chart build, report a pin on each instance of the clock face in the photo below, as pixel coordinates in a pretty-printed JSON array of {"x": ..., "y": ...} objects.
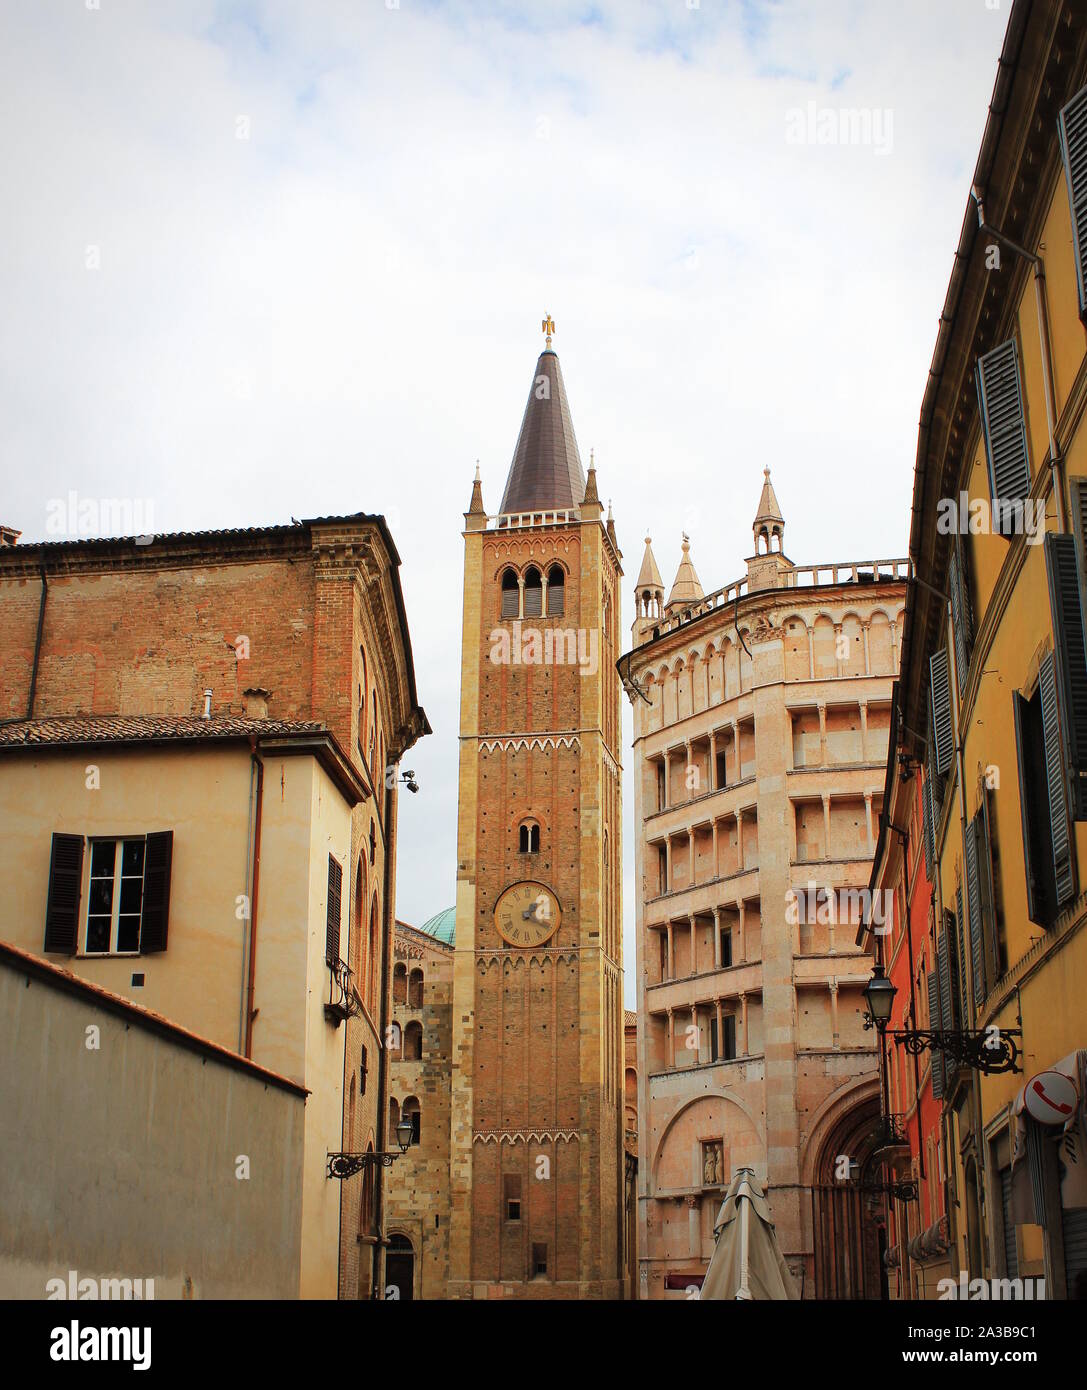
[{"x": 527, "y": 914}]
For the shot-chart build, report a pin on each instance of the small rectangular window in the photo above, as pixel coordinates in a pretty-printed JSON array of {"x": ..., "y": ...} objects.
[
  {"x": 511, "y": 1184},
  {"x": 722, "y": 771},
  {"x": 539, "y": 1261}
]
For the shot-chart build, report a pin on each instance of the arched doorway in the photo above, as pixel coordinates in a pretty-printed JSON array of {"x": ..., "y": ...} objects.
[
  {"x": 848, "y": 1232},
  {"x": 400, "y": 1269}
]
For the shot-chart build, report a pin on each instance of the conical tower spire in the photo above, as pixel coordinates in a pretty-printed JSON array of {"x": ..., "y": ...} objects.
[
  {"x": 769, "y": 521},
  {"x": 686, "y": 587},
  {"x": 546, "y": 471}
]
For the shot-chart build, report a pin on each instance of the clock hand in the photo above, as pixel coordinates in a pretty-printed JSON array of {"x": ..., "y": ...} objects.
[{"x": 529, "y": 914}]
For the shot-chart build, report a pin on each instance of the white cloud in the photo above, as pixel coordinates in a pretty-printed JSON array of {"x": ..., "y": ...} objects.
[{"x": 340, "y": 311}]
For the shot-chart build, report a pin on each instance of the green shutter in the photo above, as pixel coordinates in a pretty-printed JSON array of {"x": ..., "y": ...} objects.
[
  {"x": 934, "y": 1022},
  {"x": 977, "y": 948},
  {"x": 1071, "y": 670},
  {"x": 936, "y": 782},
  {"x": 960, "y": 927},
  {"x": 1072, "y": 128},
  {"x": 1063, "y": 871},
  {"x": 928, "y": 837},
  {"x": 940, "y": 691},
  {"x": 1035, "y": 892},
  {"x": 1004, "y": 427},
  {"x": 961, "y": 616},
  {"x": 943, "y": 961}
]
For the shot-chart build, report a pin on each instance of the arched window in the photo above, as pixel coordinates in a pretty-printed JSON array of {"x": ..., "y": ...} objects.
[
  {"x": 358, "y": 929},
  {"x": 373, "y": 954},
  {"x": 366, "y": 1202},
  {"x": 394, "y": 1116},
  {"x": 556, "y": 591},
  {"x": 413, "y": 1042},
  {"x": 373, "y": 733},
  {"x": 533, "y": 592},
  {"x": 400, "y": 983},
  {"x": 529, "y": 838},
  {"x": 511, "y": 594},
  {"x": 362, "y": 705},
  {"x": 411, "y": 1112},
  {"x": 415, "y": 989}
]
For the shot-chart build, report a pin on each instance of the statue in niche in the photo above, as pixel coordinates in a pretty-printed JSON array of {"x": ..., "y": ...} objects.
[{"x": 712, "y": 1164}]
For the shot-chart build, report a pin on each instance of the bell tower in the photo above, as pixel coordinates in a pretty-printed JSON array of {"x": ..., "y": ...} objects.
[{"x": 536, "y": 1153}]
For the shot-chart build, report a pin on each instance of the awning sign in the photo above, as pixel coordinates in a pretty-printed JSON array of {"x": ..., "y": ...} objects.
[{"x": 1050, "y": 1098}]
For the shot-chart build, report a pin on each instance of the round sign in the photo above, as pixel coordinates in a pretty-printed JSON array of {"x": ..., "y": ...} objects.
[{"x": 1050, "y": 1098}]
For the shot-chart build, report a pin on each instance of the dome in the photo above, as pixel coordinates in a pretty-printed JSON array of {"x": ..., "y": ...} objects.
[{"x": 442, "y": 927}]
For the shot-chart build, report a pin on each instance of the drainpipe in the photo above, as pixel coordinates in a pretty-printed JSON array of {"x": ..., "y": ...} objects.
[
  {"x": 250, "y": 1011},
  {"x": 376, "y": 1281},
  {"x": 1043, "y": 342},
  {"x": 19, "y": 718},
  {"x": 960, "y": 769}
]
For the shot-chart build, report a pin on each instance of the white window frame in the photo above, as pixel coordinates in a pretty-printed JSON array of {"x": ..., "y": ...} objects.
[{"x": 119, "y": 841}]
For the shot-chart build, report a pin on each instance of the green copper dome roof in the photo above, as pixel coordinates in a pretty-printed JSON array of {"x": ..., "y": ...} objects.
[{"x": 442, "y": 927}]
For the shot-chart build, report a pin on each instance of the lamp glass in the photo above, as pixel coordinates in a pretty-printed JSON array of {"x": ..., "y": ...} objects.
[
  {"x": 403, "y": 1134},
  {"x": 879, "y": 994}
]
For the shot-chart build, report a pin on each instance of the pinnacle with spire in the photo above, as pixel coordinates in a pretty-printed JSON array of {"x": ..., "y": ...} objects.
[
  {"x": 546, "y": 471},
  {"x": 769, "y": 521},
  {"x": 686, "y": 588}
]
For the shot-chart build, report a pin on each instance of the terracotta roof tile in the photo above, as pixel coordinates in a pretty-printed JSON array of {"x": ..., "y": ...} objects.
[{"x": 127, "y": 728}]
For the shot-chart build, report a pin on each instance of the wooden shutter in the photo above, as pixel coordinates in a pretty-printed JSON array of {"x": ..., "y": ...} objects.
[
  {"x": 928, "y": 834},
  {"x": 155, "y": 915},
  {"x": 943, "y": 961},
  {"x": 961, "y": 616},
  {"x": 1063, "y": 871},
  {"x": 934, "y": 1022},
  {"x": 65, "y": 886},
  {"x": 964, "y": 999},
  {"x": 534, "y": 601},
  {"x": 511, "y": 602},
  {"x": 986, "y": 871},
  {"x": 973, "y": 903},
  {"x": 940, "y": 691},
  {"x": 1071, "y": 669},
  {"x": 332, "y": 927},
  {"x": 1072, "y": 128},
  {"x": 1004, "y": 427},
  {"x": 936, "y": 782},
  {"x": 1035, "y": 892}
]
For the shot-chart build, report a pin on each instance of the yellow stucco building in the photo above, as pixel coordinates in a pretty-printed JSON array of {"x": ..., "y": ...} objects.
[{"x": 993, "y": 688}]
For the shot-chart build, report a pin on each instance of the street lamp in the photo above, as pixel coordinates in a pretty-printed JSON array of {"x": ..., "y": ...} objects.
[
  {"x": 879, "y": 994},
  {"x": 403, "y": 1134}
]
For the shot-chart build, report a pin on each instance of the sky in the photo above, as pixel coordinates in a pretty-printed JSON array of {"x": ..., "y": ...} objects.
[{"x": 267, "y": 260}]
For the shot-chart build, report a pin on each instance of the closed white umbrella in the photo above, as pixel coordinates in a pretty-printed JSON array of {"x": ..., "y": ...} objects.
[{"x": 747, "y": 1261}]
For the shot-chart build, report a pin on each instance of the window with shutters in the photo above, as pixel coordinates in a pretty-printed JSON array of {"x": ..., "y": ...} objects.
[
  {"x": 125, "y": 899},
  {"x": 987, "y": 949},
  {"x": 556, "y": 591},
  {"x": 950, "y": 1006},
  {"x": 511, "y": 594},
  {"x": 936, "y": 1056},
  {"x": 533, "y": 593},
  {"x": 1064, "y": 571},
  {"x": 962, "y": 618},
  {"x": 1004, "y": 430},
  {"x": 1047, "y": 843},
  {"x": 334, "y": 911},
  {"x": 1072, "y": 129}
]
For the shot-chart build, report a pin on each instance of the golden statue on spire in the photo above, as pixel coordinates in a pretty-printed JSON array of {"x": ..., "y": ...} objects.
[{"x": 547, "y": 328}]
